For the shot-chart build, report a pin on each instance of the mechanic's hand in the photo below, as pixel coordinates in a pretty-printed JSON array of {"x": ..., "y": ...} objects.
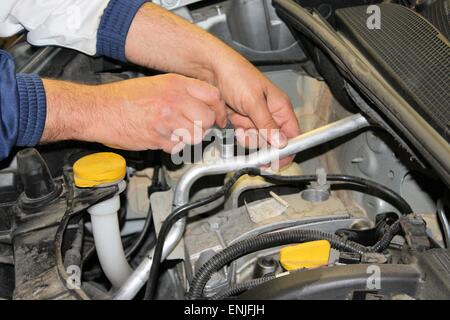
[
  {"x": 257, "y": 108},
  {"x": 183, "y": 48},
  {"x": 142, "y": 113}
]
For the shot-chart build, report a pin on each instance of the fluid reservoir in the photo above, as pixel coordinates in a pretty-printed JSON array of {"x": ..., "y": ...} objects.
[{"x": 94, "y": 171}]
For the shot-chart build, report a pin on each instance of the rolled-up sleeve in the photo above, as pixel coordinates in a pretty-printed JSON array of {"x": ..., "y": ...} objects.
[
  {"x": 22, "y": 107},
  {"x": 90, "y": 26},
  {"x": 114, "y": 26},
  {"x": 95, "y": 27}
]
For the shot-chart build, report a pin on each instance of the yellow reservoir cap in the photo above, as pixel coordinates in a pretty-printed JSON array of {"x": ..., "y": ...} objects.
[
  {"x": 99, "y": 168},
  {"x": 311, "y": 254}
]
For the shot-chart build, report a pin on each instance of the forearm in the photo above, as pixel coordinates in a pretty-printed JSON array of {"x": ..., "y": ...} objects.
[
  {"x": 161, "y": 40},
  {"x": 72, "y": 109}
]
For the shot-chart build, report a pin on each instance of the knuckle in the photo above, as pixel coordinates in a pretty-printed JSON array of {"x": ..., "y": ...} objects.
[{"x": 170, "y": 105}]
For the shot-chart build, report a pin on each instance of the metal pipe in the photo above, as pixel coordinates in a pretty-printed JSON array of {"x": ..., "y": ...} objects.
[{"x": 300, "y": 143}]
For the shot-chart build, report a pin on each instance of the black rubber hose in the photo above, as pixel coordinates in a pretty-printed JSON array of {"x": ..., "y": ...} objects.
[
  {"x": 142, "y": 236},
  {"x": 148, "y": 225},
  {"x": 176, "y": 215},
  {"x": 262, "y": 242},
  {"x": 368, "y": 186},
  {"x": 241, "y": 287},
  {"x": 383, "y": 243}
]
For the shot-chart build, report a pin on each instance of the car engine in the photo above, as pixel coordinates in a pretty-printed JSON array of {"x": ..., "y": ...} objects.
[{"x": 360, "y": 213}]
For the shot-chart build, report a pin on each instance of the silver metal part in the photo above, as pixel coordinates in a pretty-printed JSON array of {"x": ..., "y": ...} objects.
[
  {"x": 265, "y": 266},
  {"x": 227, "y": 145},
  {"x": 318, "y": 191},
  {"x": 300, "y": 143}
]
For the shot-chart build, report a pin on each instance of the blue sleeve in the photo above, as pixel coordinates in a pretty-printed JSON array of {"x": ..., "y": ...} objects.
[
  {"x": 23, "y": 107},
  {"x": 114, "y": 26}
]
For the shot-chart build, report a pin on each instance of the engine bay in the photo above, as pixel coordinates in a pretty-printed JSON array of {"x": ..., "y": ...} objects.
[{"x": 360, "y": 214}]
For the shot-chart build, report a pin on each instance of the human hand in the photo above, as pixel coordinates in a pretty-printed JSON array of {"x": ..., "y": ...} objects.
[
  {"x": 261, "y": 113},
  {"x": 138, "y": 114}
]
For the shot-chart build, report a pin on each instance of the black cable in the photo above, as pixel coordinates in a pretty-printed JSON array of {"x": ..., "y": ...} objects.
[
  {"x": 148, "y": 225},
  {"x": 238, "y": 288},
  {"x": 155, "y": 186},
  {"x": 386, "y": 238},
  {"x": 370, "y": 187},
  {"x": 177, "y": 214},
  {"x": 261, "y": 242},
  {"x": 142, "y": 235},
  {"x": 131, "y": 251}
]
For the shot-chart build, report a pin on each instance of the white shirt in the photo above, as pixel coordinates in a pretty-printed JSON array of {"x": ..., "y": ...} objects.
[{"x": 67, "y": 23}]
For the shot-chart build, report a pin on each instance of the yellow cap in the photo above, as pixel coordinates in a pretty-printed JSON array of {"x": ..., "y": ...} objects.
[
  {"x": 305, "y": 255},
  {"x": 99, "y": 168}
]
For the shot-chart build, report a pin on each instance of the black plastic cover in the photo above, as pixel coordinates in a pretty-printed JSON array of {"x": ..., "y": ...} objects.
[{"x": 410, "y": 53}]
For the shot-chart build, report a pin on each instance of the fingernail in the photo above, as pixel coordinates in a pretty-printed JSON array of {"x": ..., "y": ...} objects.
[{"x": 278, "y": 139}]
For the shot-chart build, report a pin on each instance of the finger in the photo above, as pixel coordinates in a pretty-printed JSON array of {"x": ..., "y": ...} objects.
[
  {"x": 240, "y": 121},
  {"x": 203, "y": 91},
  {"x": 262, "y": 117},
  {"x": 209, "y": 95},
  {"x": 198, "y": 112},
  {"x": 250, "y": 138},
  {"x": 282, "y": 111}
]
